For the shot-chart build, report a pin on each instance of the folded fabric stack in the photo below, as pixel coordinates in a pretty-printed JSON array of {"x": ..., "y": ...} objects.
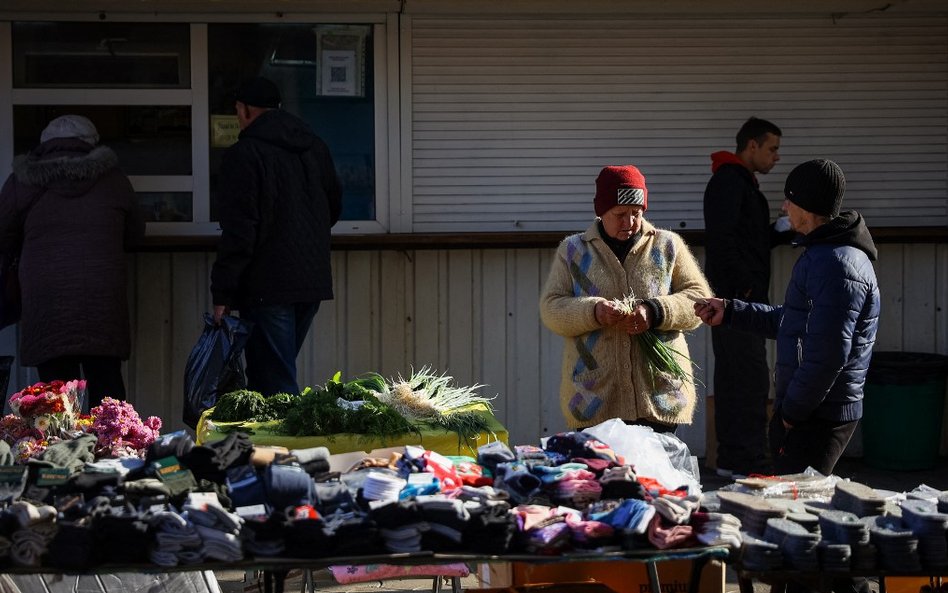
[
  {"x": 754, "y": 512},
  {"x": 760, "y": 555},
  {"x": 859, "y": 499},
  {"x": 796, "y": 543},
  {"x": 929, "y": 526},
  {"x": 897, "y": 545},
  {"x": 184, "y": 504}
]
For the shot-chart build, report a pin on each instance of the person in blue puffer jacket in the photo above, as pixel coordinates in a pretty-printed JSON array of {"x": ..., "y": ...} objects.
[{"x": 825, "y": 329}]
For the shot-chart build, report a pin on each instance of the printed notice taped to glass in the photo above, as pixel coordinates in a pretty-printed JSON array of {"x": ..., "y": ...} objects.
[{"x": 339, "y": 72}]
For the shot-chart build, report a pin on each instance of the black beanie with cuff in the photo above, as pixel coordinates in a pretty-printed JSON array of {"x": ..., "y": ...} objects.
[{"x": 817, "y": 186}]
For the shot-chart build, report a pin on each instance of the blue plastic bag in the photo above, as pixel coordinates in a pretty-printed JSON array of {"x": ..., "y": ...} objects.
[{"x": 215, "y": 365}]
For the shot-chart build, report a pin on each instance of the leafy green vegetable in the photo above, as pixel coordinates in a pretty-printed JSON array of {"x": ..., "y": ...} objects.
[
  {"x": 362, "y": 406},
  {"x": 371, "y": 381},
  {"x": 343, "y": 408},
  {"x": 250, "y": 406},
  {"x": 237, "y": 406},
  {"x": 277, "y": 406}
]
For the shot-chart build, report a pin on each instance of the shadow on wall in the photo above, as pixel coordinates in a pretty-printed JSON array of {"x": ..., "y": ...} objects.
[{"x": 6, "y": 365}]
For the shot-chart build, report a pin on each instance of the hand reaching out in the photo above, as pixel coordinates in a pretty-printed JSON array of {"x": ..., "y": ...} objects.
[
  {"x": 219, "y": 312},
  {"x": 711, "y": 311}
]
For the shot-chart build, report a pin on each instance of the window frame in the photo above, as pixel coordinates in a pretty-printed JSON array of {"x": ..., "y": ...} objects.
[{"x": 384, "y": 31}]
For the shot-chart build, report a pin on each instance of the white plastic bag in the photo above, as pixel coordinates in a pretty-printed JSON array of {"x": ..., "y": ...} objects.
[{"x": 650, "y": 453}]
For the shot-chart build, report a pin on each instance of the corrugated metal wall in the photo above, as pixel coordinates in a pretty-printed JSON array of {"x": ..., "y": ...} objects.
[{"x": 512, "y": 118}]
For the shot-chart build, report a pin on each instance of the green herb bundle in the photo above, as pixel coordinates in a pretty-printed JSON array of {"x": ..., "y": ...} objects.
[
  {"x": 277, "y": 406},
  {"x": 660, "y": 358},
  {"x": 320, "y": 412},
  {"x": 239, "y": 406},
  {"x": 250, "y": 406},
  {"x": 468, "y": 424}
]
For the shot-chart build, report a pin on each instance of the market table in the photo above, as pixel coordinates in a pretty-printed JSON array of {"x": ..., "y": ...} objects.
[
  {"x": 433, "y": 439},
  {"x": 276, "y": 568},
  {"x": 651, "y": 558},
  {"x": 823, "y": 580}
]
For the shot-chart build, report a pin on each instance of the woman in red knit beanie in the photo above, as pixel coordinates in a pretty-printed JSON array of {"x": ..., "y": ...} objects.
[{"x": 607, "y": 287}]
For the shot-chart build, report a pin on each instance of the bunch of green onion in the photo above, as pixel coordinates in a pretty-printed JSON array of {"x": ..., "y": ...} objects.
[
  {"x": 659, "y": 356},
  {"x": 433, "y": 398}
]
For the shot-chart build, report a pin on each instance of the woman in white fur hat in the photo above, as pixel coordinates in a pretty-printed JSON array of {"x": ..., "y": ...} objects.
[{"x": 73, "y": 214}]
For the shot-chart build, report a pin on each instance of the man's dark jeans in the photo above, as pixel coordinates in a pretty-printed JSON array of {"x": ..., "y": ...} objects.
[
  {"x": 812, "y": 443},
  {"x": 277, "y": 336},
  {"x": 741, "y": 390}
]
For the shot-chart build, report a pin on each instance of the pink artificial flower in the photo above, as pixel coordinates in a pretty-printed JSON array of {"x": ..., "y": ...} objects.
[{"x": 119, "y": 427}]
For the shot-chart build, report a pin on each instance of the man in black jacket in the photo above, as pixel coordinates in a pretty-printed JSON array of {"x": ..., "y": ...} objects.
[
  {"x": 737, "y": 263},
  {"x": 279, "y": 198}
]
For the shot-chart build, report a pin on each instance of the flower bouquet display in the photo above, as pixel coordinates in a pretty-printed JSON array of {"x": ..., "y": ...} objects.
[
  {"x": 47, "y": 413},
  {"x": 43, "y": 413},
  {"x": 121, "y": 431}
]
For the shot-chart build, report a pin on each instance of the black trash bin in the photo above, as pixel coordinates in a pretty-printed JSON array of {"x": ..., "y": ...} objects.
[{"x": 903, "y": 408}]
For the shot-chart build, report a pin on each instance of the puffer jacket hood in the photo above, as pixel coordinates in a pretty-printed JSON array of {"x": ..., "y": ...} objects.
[
  {"x": 66, "y": 166},
  {"x": 849, "y": 228},
  {"x": 281, "y": 129}
]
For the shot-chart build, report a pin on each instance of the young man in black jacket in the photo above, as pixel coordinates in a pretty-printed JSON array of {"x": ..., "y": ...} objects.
[
  {"x": 739, "y": 238},
  {"x": 824, "y": 330},
  {"x": 279, "y": 198}
]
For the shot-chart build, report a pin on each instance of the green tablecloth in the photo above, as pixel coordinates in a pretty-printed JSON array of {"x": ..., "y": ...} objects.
[{"x": 432, "y": 439}]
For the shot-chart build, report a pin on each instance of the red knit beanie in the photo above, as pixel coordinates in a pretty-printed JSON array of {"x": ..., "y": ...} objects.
[{"x": 620, "y": 185}]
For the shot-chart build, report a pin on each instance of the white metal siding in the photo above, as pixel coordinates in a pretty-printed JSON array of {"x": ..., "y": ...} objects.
[{"x": 511, "y": 118}]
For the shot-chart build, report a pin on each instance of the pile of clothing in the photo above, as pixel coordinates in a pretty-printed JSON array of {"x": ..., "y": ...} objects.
[{"x": 187, "y": 504}]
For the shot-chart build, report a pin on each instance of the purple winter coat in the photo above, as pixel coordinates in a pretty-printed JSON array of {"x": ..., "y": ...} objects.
[{"x": 77, "y": 215}]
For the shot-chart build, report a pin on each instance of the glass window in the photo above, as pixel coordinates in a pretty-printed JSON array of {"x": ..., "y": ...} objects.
[
  {"x": 149, "y": 140},
  {"x": 166, "y": 206},
  {"x": 91, "y": 55},
  {"x": 324, "y": 73}
]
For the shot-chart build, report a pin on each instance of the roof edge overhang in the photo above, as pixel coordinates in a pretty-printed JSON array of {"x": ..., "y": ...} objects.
[{"x": 112, "y": 9}]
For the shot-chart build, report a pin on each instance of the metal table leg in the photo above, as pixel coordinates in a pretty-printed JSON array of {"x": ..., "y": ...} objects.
[
  {"x": 697, "y": 566},
  {"x": 653, "y": 576}
]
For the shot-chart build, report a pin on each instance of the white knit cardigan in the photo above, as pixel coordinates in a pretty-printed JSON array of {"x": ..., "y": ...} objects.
[{"x": 605, "y": 374}]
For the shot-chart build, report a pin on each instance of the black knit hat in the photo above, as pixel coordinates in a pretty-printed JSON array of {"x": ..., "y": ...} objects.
[
  {"x": 817, "y": 186},
  {"x": 259, "y": 92}
]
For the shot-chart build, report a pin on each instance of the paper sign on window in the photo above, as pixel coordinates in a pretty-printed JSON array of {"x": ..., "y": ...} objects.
[{"x": 341, "y": 60}]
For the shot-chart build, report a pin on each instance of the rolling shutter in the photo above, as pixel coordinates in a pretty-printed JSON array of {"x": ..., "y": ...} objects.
[{"x": 511, "y": 118}]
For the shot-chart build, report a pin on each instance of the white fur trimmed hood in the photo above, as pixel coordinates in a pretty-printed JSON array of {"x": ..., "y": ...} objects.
[{"x": 63, "y": 163}]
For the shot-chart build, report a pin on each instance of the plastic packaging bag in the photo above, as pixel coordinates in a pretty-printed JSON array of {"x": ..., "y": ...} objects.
[
  {"x": 663, "y": 457},
  {"x": 215, "y": 366}
]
